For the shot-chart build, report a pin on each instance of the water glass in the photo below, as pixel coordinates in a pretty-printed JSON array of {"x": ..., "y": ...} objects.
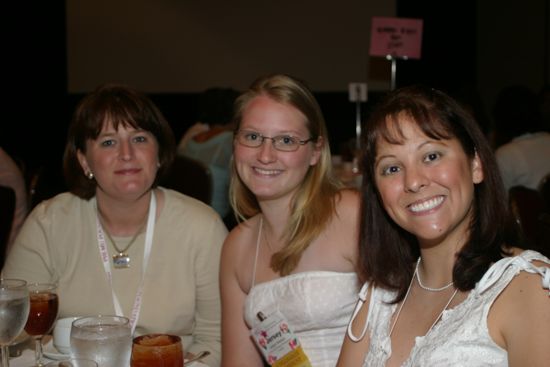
[
  {"x": 160, "y": 350},
  {"x": 73, "y": 362},
  {"x": 104, "y": 339},
  {"x": 14, "y": 310}
]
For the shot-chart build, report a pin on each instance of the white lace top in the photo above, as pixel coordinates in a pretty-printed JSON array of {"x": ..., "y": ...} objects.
[
  {"x": 316, "y": 304},
  {"x": 461, "y": 337}
]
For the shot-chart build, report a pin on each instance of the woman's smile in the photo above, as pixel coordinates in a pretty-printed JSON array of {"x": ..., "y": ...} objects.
[
  {"x": 128, "y": 171},
  {"x": 426, "y": 206},
  {"x": 267, "y": 172}
]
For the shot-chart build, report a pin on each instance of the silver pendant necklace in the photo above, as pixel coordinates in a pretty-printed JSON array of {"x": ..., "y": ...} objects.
[
  {"x": 121, "y": 259},
  {"x": 417, "y": 273}
]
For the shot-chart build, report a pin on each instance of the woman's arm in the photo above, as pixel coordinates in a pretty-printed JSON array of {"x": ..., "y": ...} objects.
[
  {"x": 521, "y": 315},
  {"x": 207, "y": 331},
  {"x": 347, "y": 224},
  {"x": 238, "y": 348},
  {"x": 30, "y": 257},
  {"x": 353, "y": 352}
]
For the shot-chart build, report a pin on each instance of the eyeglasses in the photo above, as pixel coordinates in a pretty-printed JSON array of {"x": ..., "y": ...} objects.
[{"x": 283, "y": 143}]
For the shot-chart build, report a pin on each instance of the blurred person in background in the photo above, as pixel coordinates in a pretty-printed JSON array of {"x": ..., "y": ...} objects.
[
  {"x": 11, "y": 176},
  {"x": 210, "y": 140},
  {"x": 523, "y": 146}
]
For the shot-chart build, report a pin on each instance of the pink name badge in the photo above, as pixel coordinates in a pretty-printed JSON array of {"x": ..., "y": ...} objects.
[
  {"x": 277, "y": 343},
  {"x": 396, "y": 37}
]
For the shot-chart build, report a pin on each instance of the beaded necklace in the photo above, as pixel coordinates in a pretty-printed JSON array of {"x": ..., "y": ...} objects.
[
  {"x": 407, "y": 295},
  {"x": 417, "y": 273}
]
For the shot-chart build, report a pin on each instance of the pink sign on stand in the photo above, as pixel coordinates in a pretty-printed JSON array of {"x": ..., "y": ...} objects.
[{"x": 396, "y": 37}]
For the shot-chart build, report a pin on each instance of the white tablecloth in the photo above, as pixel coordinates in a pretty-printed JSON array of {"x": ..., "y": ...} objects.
[{"x": 27, "y": 359}]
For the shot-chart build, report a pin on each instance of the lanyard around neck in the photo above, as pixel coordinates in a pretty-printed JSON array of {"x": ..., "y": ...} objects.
[{"x": 102, "y": 245}]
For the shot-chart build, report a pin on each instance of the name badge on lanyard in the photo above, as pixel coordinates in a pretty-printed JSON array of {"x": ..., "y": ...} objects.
[{"x": 278, "y": 344}]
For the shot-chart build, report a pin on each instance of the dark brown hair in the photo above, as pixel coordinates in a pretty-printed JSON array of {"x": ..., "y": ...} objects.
[
  {"x": 119, "y": 105},
  {"x": 387, "y": 252}
]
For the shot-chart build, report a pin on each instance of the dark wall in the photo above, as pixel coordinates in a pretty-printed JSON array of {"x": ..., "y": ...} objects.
[
  {"x": 449, "y": 59},
  {"x": 33, "y": 128},
  {"x": 448, "y": 47},
  {"x": 36, "y": 53}
]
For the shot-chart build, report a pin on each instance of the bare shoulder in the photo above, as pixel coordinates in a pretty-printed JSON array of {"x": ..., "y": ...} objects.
[
  {"x": 526, "y": 290},
  {"x": 237, "y": 258},
  {"x": 527, "y": 287},
  {"x": 348, "y": 202},
  {"x": 522, "y": 313},
  {"x": 239, "y": 240},
  {"x": 343, "y": 230},
  {"x": 347, "y": 212}
]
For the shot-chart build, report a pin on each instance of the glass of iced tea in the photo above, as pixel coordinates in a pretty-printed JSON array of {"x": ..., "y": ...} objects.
[
  {"x": 160, "y": 350},
  {"x": 42, "y": 314}
]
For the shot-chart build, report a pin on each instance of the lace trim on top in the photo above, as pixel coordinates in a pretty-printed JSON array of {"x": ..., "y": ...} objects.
[{"x": 380, "y": 344}]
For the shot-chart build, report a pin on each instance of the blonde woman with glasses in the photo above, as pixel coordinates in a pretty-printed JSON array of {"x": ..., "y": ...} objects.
[{"x": 294, "y": 251}]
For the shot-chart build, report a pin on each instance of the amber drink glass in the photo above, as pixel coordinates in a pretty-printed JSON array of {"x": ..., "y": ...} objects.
[
  {"x": 44, "y": 304},
  {"x": 159, "y": 350}
]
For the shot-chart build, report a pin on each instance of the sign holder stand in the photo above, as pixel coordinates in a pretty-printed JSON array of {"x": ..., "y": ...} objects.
[
  {"x": 355, "y": 167},
  {"x": 357, "y": 122},
  {"x": 395, "y": 38},
  {"x": 357, "y": 94},
  {"x": 393, "y": 60}
]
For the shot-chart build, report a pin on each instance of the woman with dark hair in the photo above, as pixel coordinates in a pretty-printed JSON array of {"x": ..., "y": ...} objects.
[
  {"x": 446, "y": 282},
  {"x": 294, "y": 251},
  {"x": 117, "y": 243}
]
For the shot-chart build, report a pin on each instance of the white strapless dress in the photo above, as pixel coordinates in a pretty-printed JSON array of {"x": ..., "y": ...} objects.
[{"x": 317, "y": 305}]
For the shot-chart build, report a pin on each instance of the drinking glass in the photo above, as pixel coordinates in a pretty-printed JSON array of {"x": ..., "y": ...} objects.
[
  {"x": 160, "y": 350},
  {"x": 14, "y": 310},
  {"x": 105, "y": 339},
  {"x": 43, "y": 312},
  {"x": 73, "y": 362}
]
